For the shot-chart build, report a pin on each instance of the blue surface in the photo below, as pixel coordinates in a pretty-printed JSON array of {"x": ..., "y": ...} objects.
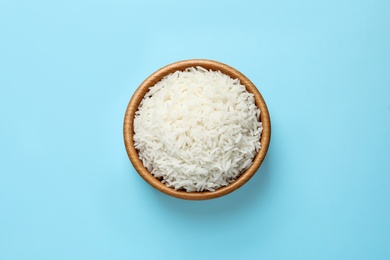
[{"x": 69, "y": 68}]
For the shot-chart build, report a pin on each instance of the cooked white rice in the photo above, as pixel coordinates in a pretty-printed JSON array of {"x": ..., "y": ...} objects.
[{"x": 197, "y": 129}]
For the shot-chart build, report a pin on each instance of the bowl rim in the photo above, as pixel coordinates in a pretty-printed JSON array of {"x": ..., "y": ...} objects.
[{"x": 151, "y": 81}]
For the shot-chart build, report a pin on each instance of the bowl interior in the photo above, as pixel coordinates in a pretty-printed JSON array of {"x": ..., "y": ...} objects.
[{"x": 151, "y": 81}]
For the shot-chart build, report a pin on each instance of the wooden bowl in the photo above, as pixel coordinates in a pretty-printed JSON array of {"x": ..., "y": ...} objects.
[{"x": 151, "y": 81}]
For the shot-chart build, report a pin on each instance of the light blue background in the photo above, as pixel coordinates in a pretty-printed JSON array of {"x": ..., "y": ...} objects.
[{"x": 69, "y": 68}]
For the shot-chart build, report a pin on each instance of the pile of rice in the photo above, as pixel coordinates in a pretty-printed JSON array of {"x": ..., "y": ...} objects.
[{"x": 197, "y": 130}]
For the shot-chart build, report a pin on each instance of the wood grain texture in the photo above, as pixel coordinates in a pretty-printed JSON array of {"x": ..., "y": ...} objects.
[{"x": 151, "y": 81}]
